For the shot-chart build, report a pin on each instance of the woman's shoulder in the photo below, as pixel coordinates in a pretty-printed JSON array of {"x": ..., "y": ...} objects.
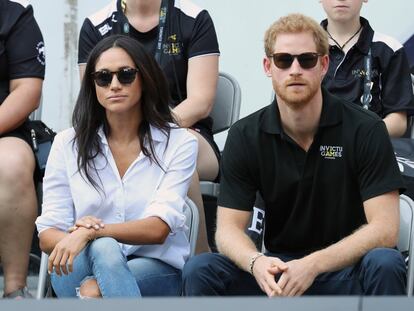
[{"x": 65, "y": 136}]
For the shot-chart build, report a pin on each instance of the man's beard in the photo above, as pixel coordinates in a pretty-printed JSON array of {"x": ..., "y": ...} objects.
[{"x": 296, "y": 100}]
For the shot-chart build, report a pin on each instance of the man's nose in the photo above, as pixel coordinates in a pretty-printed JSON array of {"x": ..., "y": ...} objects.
[{"x": 295, "y": 68}]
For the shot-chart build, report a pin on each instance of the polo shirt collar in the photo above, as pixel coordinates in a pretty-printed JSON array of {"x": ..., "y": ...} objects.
[
  {"x": 271, "y": 119},
  {"x": 365, "y": 38},
  {"x": 331, "y": 114}
]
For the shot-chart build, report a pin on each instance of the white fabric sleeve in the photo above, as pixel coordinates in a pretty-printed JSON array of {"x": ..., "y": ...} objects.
[
  {"x": 168, "y": 201},
  {"x": 57, "y": 206}
]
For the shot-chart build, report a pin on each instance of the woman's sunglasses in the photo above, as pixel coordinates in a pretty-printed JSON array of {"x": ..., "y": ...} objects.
[
  {"x": 285, "y": 60},
  {"x": 103, "y": 78}
]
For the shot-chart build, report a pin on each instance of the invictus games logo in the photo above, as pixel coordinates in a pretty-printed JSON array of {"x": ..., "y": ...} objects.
[
  {"x": 361, "y": 73},
  {"x": 172, "y": 46},
  {"x": 331, "y": 152},
  {"x": 41, "y": 56}
]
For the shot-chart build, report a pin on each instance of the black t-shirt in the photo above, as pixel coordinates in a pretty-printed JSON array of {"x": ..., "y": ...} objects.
[
  {"x": 189, "y": 33},
  {"x": 22, "y": 52},
  {"x": 315, "y": 198},
  {"x": 391, "y": 90}
]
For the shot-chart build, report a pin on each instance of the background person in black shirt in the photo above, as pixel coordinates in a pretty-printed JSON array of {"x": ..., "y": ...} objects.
[
  {"x": 329, "y": 180},
  {"x": 350, "y": 38},
  {"x": 189, "y": 58},
  {"x": 22, "y": 69}
]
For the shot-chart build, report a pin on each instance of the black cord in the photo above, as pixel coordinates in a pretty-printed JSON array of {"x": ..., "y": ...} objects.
[{"x": 347, "y": 41}]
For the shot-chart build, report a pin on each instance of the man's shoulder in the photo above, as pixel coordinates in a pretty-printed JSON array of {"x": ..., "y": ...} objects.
[
  {"x": 351, "y": 111},
  {"x": 358, "y": 113},
  {"x": 251, "y": 123}
]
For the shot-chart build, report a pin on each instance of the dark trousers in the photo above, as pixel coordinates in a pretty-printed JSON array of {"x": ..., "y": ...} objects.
[{"x": 380, "y": 272}]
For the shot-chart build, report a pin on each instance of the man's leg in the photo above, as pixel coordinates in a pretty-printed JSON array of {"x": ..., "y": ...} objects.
[
  {"x": 380, "y": 272},
  {"x": 18, "y": 210},
  {"x": 383, "y": 272},
  {"x": 214, "y": 274}
]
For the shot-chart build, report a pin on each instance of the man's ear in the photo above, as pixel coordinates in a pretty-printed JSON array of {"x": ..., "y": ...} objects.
[
  {"x": 324, "y": 64},
  {"x": 267, "y": 64}
]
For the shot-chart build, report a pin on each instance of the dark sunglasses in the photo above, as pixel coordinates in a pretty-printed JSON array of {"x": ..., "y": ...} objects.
[
  {"x": 285, "y": 60},
  {"x": 104, "y": 77}
]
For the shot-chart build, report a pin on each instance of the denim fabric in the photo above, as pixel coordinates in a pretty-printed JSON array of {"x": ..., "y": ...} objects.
[
  {"x": 103, "y": 260},
  {"x": 380, "y": 272}
]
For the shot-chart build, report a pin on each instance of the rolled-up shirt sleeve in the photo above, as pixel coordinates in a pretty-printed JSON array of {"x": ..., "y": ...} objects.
[
  {"x": 57, "y": 206},
  {"x": 168, "y": 200}
]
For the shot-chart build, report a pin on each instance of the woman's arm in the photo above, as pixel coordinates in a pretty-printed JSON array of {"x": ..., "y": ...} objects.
[
  {"x": 151, "y": 230},
  {"x": 64, "y": 247},
  {"x": 201, "y": 90}
]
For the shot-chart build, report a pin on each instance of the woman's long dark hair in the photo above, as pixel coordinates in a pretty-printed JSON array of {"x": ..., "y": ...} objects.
[{"x": 89, "y": 115}]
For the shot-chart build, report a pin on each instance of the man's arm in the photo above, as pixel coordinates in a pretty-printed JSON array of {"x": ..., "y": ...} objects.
[
  {"x": 233, "y": 242},
  {"x": 382, "y": 213},
  {"x": 24, "y": 98},
  {"x": 396, "y": 123}
]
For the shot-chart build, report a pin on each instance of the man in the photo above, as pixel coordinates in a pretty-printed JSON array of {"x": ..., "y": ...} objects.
[
  {"x": 351, "y": 38},
  {"x": 326, "y": 171}
]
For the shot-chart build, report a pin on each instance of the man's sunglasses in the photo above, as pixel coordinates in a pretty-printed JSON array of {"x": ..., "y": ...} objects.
[
  {"x": 285, "y": 60},
  {"x": 103, "y": 78}
]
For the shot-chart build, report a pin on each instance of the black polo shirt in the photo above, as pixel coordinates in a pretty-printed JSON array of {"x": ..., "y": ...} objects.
[
  {"x": 22, "y": 51},
  {"x": 392, "y": 89},
  {"x": 314, "y": 198}
]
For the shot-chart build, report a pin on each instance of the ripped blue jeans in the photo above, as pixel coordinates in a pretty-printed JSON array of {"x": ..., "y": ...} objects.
[{"x": 116, "y": 276}]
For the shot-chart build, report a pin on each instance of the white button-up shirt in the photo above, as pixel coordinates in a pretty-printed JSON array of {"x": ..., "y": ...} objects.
[{"x": 145, "y": 190}]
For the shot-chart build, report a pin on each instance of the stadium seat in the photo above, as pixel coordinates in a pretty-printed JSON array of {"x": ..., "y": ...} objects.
[
  {"x": 406, "y": 240},
  {"x": 225, "y": 112}
]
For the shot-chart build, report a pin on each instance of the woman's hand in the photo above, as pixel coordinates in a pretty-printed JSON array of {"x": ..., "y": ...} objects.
[
  {"x": 88, "y": 222},
  {"x": 62, "y": 257}
]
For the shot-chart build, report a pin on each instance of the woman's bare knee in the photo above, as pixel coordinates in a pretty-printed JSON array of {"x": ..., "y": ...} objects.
[{"x": 90, "y": 289}]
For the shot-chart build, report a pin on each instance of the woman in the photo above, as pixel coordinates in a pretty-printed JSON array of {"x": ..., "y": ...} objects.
[
  {"x": 187, "y": 51},
  {"x": 115, "y": 183}
]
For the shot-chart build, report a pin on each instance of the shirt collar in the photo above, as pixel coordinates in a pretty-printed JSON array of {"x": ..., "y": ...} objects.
[
  {"x": 156, "y": 134},
  {"x": 331, "y": 114},
  {"x": 365, "y": 38}
]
